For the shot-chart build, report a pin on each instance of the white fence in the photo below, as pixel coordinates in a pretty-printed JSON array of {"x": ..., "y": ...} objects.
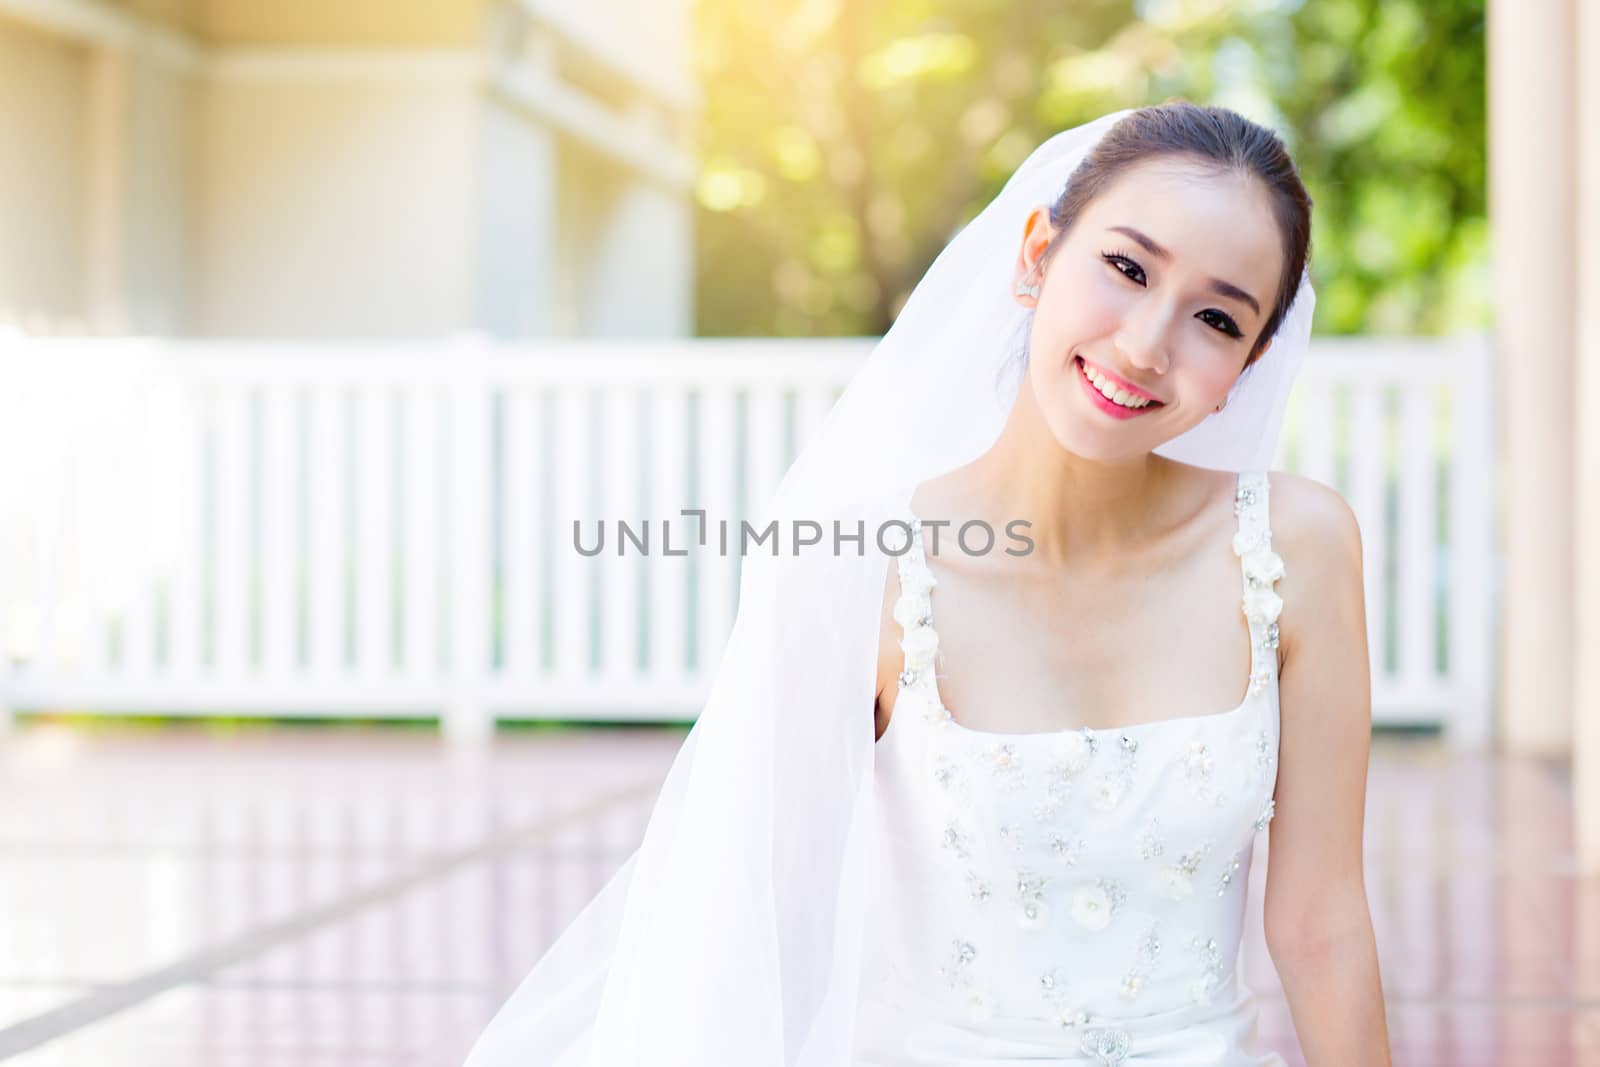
[{"x": 194, "y": 528}]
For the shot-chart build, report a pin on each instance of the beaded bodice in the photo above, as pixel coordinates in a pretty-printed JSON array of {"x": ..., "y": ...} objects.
[{"x": 1083, "y": 889}]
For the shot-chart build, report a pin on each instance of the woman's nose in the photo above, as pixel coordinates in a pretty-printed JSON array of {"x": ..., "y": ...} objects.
[{"x": 1142, "y": 340}]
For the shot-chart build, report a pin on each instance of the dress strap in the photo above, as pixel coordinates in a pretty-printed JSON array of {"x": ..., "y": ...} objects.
[
  {"x": 1260, "y": 567},
  {"x": 914, "y": 612}
]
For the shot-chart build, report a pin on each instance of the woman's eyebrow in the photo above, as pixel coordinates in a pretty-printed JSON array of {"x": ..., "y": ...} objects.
[{"x": 1218, "y": 286}]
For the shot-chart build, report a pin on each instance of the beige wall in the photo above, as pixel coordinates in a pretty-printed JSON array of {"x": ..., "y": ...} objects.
[
  {"x": 185, "y": 16},
  {"x": 585, "y": 287},
  {"x": 338, "y": 208},
  {"x": 648, "y": 40},
  {"x": 94, "y": 201},
  {"x": 272, "y": 187},
  {"x": 345, "y": 22},
  {"x": 294, "y": 22},
  {"x": 646, "y": 247},
  {"x": 625, "y": 244},
  {"x": 43, "y": 109},
  {"x": 157, "y": 189},
  {"x": 575, "y": 246},
  {"x": 518, "y": 218}
]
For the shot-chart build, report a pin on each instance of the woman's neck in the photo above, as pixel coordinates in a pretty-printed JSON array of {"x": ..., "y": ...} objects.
[
  {"x": 1079, "y": 510},
  {"x": 1082, "y": 511}
]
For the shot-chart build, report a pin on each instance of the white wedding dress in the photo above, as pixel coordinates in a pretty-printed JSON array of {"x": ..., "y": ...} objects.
[{"x": 1069, "y": 897}]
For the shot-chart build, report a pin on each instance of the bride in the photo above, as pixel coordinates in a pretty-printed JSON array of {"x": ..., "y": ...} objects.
[{"x": 1056, "y": 561}]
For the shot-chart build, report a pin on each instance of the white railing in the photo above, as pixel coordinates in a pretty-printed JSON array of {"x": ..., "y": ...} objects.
[
  {"x": 296, "y": 529},
  {"x": 1405, "y": 430}
]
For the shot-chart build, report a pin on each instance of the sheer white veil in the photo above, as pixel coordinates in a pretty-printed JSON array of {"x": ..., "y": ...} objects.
[{"x": 735, "y": 935}]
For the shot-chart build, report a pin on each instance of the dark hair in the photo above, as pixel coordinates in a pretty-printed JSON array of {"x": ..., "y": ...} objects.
[{"x": 1217, "y": 139}]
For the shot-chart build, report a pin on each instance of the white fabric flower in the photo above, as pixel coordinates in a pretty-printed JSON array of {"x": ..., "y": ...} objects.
[
  {"x": 919, "y": 646},
  {"x": 1107, "y": 793},
  {"x": 909, "y": 611},
  {"x": 1263, "y": 565},
  {"x": 1091, "y": 907},
  {"x": 1174, "y": 883},
  {"x": 1246, "y": 541},
  {"x": 918, "y": 579},
  {"x": 1262, "y": 605},
  {"x": 1199, "y": 761},
  {"x": 1073, "y": 752}
]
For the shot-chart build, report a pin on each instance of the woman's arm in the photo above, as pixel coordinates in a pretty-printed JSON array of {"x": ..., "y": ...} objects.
[{"x": 1318, "y": 925}]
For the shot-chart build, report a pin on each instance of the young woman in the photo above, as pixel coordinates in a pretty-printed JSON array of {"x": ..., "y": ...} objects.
[
  {"x": 1036, "y": 849},
  {"x": 1070, "y": 779}
]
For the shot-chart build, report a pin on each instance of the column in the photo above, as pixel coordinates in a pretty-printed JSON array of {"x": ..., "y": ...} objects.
[
  {"x": 1586, "y": 450},
  {"x": 1532, "y": 121}
]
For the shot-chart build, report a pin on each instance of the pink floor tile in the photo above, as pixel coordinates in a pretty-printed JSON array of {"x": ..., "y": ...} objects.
[{"x": 360, "y": 897}]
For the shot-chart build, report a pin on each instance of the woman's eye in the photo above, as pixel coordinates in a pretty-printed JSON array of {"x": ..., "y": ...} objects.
[
  {"x": 1135, "y": 273},
  {"x": 1224, "y": 323}
]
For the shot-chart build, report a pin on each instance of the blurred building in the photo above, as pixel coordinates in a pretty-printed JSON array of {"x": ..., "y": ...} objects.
[{"x": 404, "y": 168}]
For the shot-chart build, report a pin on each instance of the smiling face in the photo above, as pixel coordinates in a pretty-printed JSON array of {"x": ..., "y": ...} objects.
[{"x": 1159, "y": 289}]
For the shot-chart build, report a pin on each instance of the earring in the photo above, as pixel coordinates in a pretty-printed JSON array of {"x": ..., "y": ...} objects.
[{"x": 1028, "y": 290}]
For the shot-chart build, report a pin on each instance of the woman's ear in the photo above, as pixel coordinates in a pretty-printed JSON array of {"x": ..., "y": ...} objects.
[{"x": 1028, "y": 273}]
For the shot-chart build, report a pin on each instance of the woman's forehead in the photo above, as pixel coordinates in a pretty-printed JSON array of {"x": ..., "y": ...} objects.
[{"x": 1213, "y": 222}]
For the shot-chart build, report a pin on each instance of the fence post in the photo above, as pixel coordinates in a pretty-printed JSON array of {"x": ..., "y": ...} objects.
[{"x": 466, "y": 717}]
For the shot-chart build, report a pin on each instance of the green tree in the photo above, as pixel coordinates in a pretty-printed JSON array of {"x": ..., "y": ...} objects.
[
  {"x": 1387, "y": 101},
  {"x": 843, "y": 143}
]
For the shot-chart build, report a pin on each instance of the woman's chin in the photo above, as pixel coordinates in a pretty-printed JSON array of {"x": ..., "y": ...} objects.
[
  {"x": 1085, "y": 443},
  {"x": 1076, "y": 435}
]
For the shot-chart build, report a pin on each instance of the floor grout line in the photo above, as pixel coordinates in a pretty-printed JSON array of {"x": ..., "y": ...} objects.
[{"x": 119, "y": 996}]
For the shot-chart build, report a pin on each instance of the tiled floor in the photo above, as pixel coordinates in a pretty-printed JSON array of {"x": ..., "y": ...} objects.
[{"x": 312, "y": 897}]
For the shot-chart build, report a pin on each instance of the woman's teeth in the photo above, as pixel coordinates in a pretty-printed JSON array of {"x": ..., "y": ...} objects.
[{"x": 1112, "y": 392}]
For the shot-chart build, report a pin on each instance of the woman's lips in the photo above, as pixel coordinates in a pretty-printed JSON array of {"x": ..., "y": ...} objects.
[
  {"x": 1104, "y": 403},
  {"x": 1122, "y": 383}
]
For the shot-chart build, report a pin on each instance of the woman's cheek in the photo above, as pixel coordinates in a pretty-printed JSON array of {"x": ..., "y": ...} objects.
[
  {"x": 1098, "y": 311},
  {"x": 1217, "y": 379}
]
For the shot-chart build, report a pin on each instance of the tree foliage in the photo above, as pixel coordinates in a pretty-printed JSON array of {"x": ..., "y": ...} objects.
[{"x": 843, "y": 142}]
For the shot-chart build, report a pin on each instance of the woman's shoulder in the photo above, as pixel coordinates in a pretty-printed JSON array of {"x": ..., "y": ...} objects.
[
  {"x": 1316, "y": 534},
  {"x": 1309, "y": 516}
]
